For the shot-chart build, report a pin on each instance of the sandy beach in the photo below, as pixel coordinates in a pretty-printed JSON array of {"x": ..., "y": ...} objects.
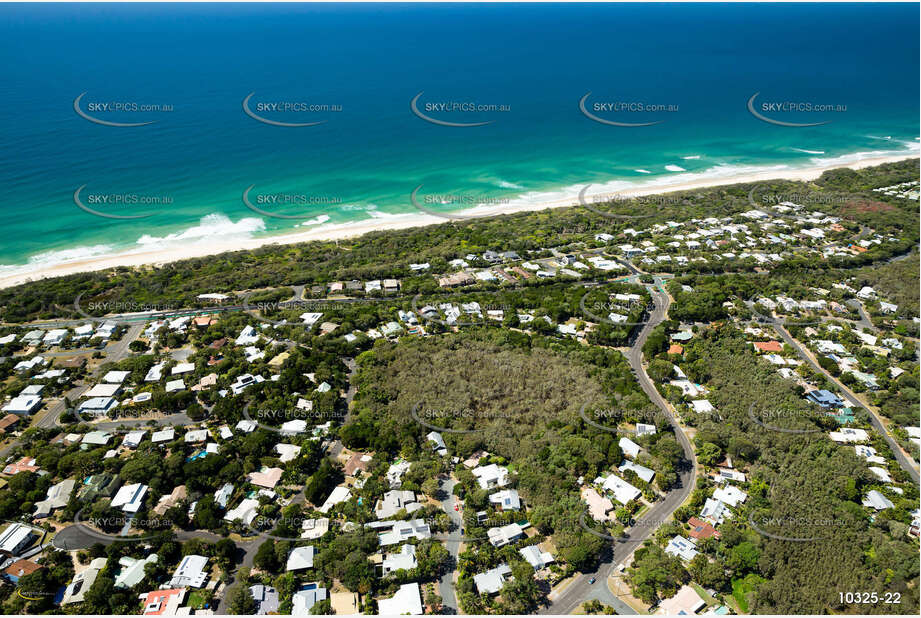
[{"x": 393, "y": 222}]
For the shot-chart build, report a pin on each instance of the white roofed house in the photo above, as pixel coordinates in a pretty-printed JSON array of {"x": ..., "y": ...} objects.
[
  {"x": 438, "y": 443},
  {"x": 190, "y": 573},
  {"x": 402, "y": 531},
  {"x": 131, "y": 572},
  {"x": 643, "y": 472},
  {"x": 491, "y": 476},
  {"x": 115, "y": 377},
  {"x": 82, "y": 582},
  {"x": 133, "y": 438},
  {"x": 248, "y": 336},
  {"x": 849, "y": 434},
  {"x": 23, "y": 405},
  {"x": 877, "y": 501},
  {"x": 682, "y": 548},
  {"x": 339, "y": 494},
  {"x": 130, "y": 498},
  {"x": 246, "y": 511},
  {"x": 405, "y": 560},
  {"x": 501, "y": 536},
  {"x": 506, "y": 500},
  {"x": 629, "y": 447},
  {"x": 535, "y": 557},
  {"x": 395, "y": 473},
  {"x": 54, "y": 336},
  {"x": 491, "y": 581},
  {"x": 622, "y": 491},
  {"x": 300, "y": 558},
  {"x": 314, "y": 528},
  {"x": 730, "y": 494},
  {"x": 406, "y": 601},
  {"x": 715, "y": 511},
  {"x": 164, "y": 435}
]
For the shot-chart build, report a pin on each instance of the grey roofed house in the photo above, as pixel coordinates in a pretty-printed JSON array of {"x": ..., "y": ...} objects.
[
  {"x": 507, "y": 499},
  {"x": 102, "y": 485},
  {"x": 82, "y": 582},
  {"x": 395, "y": 500},
  {"x": 402, "y": 531},
  {"x": 222, "y": 495},
  {"x": 877, "y": 501},
  {"x": 97, "y": 438},
  {"x": 305, "y": 598},
  {"x": 58, "y": 497},
  {"x": 492, "y": 580},
  {"x": 266, "y": 599},
  {"x": 535, "y": 557}
]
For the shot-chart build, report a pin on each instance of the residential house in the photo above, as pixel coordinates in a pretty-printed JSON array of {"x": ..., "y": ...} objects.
[
  {"x": 405, "y": 560},
  {"x": 306, "y": 597},
  {"x": 681, "y": 548},
  {"x": 82, "y": 582},
  {"x": 300, "y": 558},
  {"x": 190, "y": 573},
  {"x": 406, "y": 601},
  {"x": 535, "y": 557},
  {"x": 491, "y": 581}
]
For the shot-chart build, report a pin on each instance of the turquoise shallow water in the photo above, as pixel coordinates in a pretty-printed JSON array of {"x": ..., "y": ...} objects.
[{"x": 535, "y": 61}]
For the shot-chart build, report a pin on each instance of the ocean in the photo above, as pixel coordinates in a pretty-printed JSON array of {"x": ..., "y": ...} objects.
[{"x": 686, "y": 72}]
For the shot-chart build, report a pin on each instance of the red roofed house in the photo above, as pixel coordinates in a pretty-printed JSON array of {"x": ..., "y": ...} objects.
[
  {"x": 676, "y": 349},
  {"x": 701, "y": 529},
  {"x": 768, "y": 346},
  {"x": 165, "y": 602},
  {"x": 20, "y": 568},
  {"x": 26, "y": 464}
]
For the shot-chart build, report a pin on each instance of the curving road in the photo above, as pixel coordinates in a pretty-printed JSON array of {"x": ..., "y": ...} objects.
[{"x": 581, "y": 590}]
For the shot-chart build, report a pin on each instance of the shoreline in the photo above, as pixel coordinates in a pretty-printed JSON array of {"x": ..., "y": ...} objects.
[{"x": 165, "y": 255}]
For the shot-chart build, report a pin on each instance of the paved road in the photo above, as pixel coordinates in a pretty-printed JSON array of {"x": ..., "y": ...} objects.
[
  {"x": 581, "y": 590},
  {"x": 115, "y": 352},
  {"x": 446, "y": 585},
  {"x": 901, "y": 457},
  {"x": 865, "y": 321}
]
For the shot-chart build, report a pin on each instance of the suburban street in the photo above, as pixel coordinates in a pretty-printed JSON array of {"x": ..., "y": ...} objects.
[
  {"x": 115, "y": 352},
  {"x": 581, "y": 590},
  {"x": 452, "y": 544},
  {"x": 904, "y": 460}
]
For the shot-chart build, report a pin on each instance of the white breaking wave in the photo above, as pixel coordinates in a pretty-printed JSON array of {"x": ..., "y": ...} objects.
[
  {"x": 691, "y": 157},
  {"x": 508, "y": 185},
  {"x": 62, "y": 256},
  {"x": 808, "y": 151},
  {"x": 675, "y": 168},
  {"x": 211, "y": 226},
  {"x": 642, "y": 171},
  {"x": 315, "y": 221}
]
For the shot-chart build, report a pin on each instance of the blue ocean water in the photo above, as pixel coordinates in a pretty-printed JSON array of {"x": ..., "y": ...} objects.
[{"x": 367, "y": 62}]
